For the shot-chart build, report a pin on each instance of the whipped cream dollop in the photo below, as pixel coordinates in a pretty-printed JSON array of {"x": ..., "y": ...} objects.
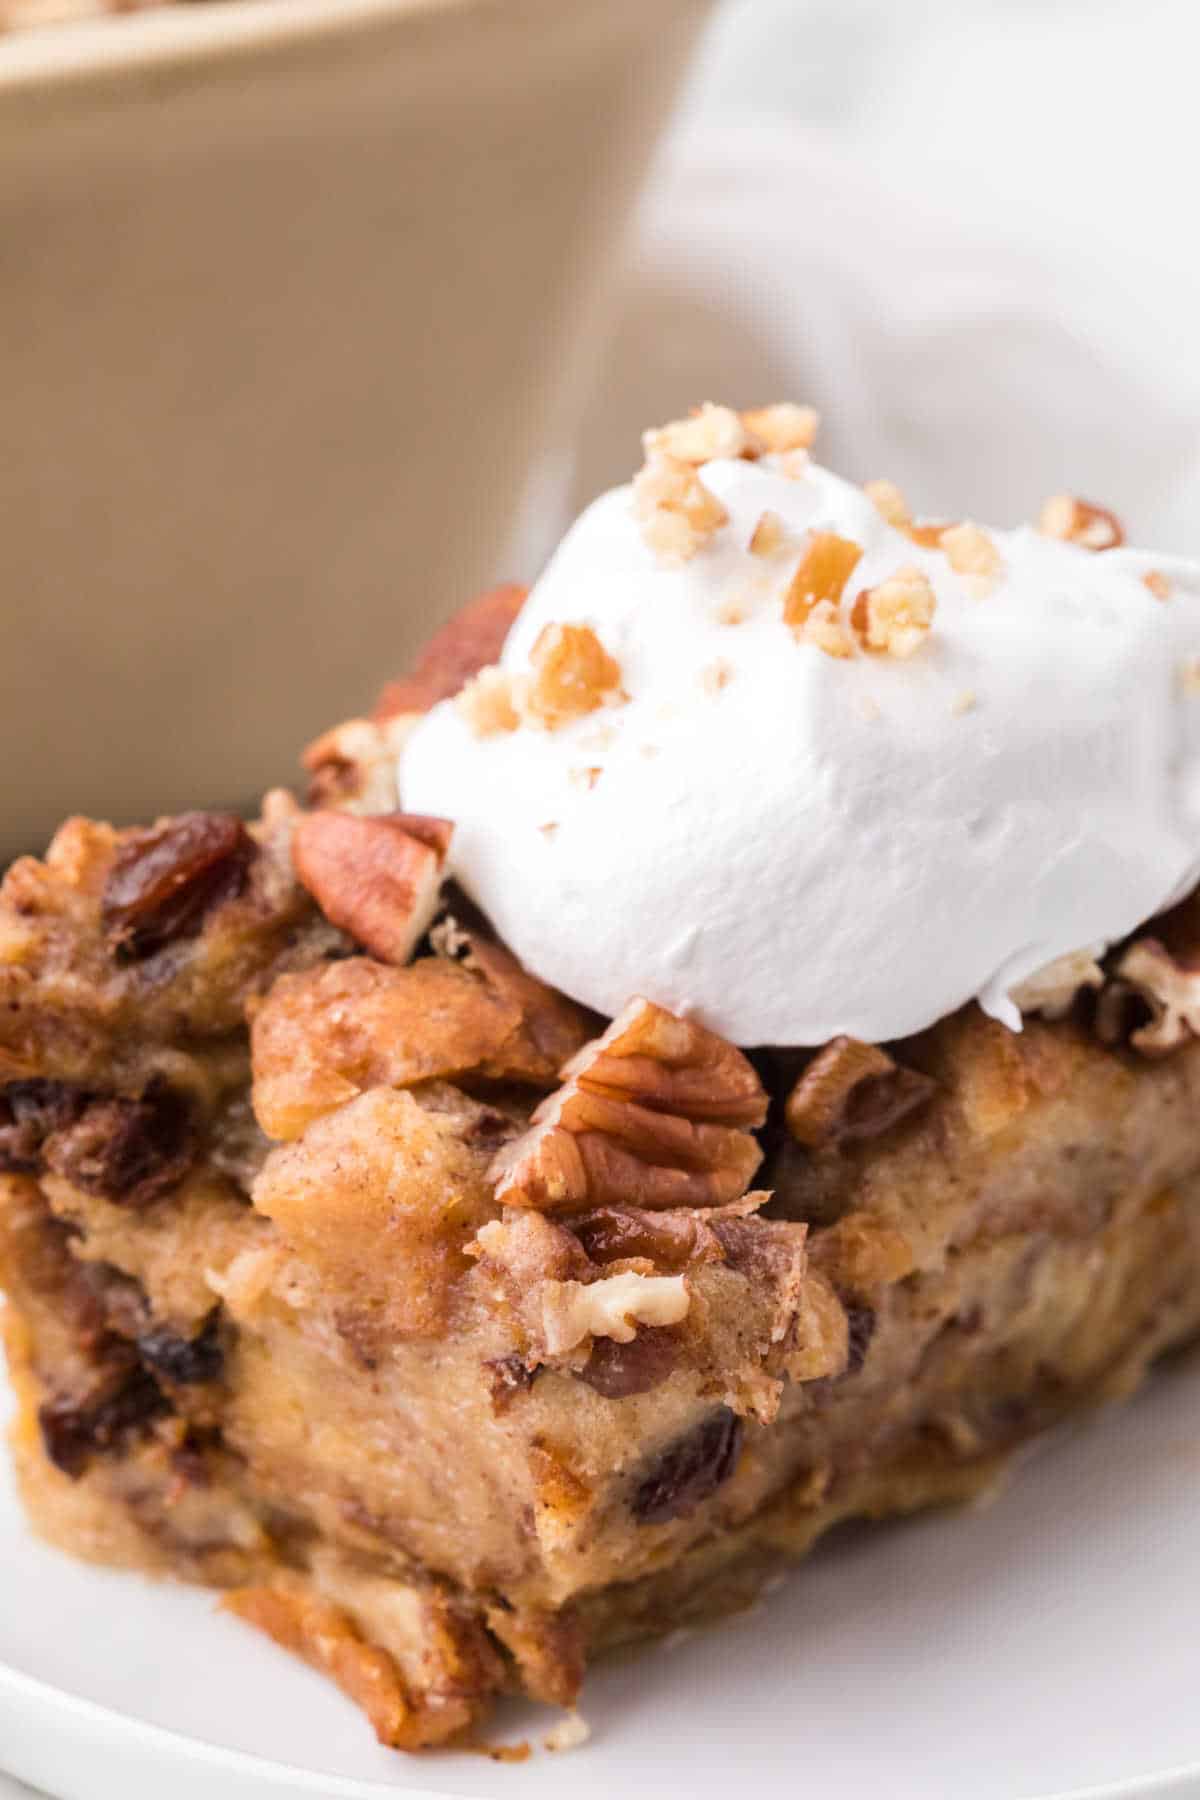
[{"x": 788, "y": 844}]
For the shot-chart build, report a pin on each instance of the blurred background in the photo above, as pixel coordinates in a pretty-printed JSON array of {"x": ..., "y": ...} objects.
[
  {"x": 965, "y": 229},
  {"x": 315, "y": 315}
]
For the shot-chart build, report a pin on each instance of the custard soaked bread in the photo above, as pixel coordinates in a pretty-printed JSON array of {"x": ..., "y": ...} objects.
[{"x": 459, "y": 1331}]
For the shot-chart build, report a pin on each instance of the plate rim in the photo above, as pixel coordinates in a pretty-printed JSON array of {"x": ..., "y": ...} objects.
[{"x": 124, "y": 1730}]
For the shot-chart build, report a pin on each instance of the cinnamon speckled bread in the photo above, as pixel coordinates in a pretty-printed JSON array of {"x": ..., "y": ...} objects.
[{"x": 458, "y": 1333}]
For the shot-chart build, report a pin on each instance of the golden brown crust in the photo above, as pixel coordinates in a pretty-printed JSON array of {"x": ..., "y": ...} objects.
[
  {"x": 381, "y": 1199},
  {"x": 327, "y": 1034}
]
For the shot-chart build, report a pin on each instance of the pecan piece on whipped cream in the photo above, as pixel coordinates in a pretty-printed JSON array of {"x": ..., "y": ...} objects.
[
  {"x": 1079, "y": 522},
  {"x": 678, "y": 514},
  {"x": 894, "y": 617},
  {"x": 821, "y": 575},
  {"x": 851, "y": 1091},
  {"x": 571, "y": 675},
  {"x": 1149, "y": 978},
  {"x": 707, "y": 433},
  {"x": 656, "y": 1113},
  {"x": 377, "y": 878}
]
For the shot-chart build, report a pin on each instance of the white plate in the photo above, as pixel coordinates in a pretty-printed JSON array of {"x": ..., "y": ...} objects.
[{"x": 1042, "y": 1646}]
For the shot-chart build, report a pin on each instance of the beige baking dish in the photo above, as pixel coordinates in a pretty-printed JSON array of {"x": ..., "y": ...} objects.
[{"x": 292, "y": 293}]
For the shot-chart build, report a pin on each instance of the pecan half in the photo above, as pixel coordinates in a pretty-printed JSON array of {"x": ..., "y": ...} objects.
[
  {"x": 851, "y": 1091},
  {"x": 468, "y": 642},
  {"x": 1149, "y": 979},
  {"x": 377, "y": 878},
  {"x": 655, "y": 1113},
  {"x": 163, "y": 882}
]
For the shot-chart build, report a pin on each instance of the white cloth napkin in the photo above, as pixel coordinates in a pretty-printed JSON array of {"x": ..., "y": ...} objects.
[{"x": 981, "y": 362}]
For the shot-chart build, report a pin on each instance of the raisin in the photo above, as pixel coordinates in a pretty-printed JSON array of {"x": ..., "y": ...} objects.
[
  {"x": 188, "y": 1362},
  {"x": 861, "y": 1322},
  {"x": 29, "y": 1110},
  {"x": 690, "y": 1470},
  {"x": 129, "y": 1151},
  {"x": 618, "y": 1370},
  {"x": 74, "y": 1429},
  {"x": 163, "y": 882}
]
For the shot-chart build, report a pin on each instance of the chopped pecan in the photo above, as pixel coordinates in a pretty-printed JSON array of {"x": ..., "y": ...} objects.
[
  {"x": 823, "y": 571},
  {"x": 972, "y": 553},
  {"x": 655, "y": 1113},
  {"x": 1079, "y": 522},
  {"x": 488, "y": 703},
  {"x": 571, "y": 674},
  {"x": 689, "y": 1471},
  {"x": 1149, "y": 979},
  {"x": 769, "y": 535},
  {"x": 889, "y": 503},
  {"x": 895, "y": 616},
  {"x": 377, "y": 878},
  {"x": 851, "y": 1091},
  {"x": 783, "y": 427},
  {"x": 471, "y": 640},
  {"x": 612, "y": 1307},
  {"x": 710, "y": 432},
  {"x": 678, "y": 514},
  {"x": 823, "y": 627},
  {"x": 163, "y": 882},
  {"x": 132, "y": 1152}
]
